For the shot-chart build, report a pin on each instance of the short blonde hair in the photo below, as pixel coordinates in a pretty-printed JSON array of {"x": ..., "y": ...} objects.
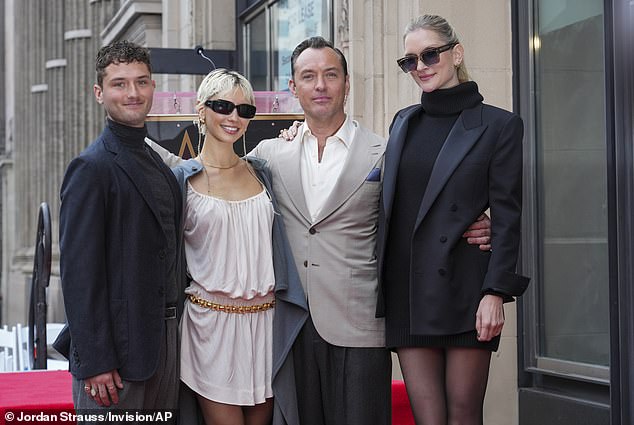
[
  {"x": 222, "y": 81},
  {"x": 440, "y": 26},
  {"x": 217, "y": 83}
]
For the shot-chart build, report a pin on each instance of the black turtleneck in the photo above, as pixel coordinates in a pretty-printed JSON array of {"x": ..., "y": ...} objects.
[
  {"x": 132, "y": 137},
  {"x": 452, "y": 100},
  {"x": 425, "y": 137},
  {"x": 157, "y": 174}
]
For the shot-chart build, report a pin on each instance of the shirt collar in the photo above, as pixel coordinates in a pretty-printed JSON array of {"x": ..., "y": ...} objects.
[{"x": 345, "y": 133}]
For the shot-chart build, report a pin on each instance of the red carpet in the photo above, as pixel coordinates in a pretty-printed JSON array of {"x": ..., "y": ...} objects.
[
  {"x": 40, "y": 396},
  {"x": 401, "y": 412},
  {"x": 45, "y": 395}
]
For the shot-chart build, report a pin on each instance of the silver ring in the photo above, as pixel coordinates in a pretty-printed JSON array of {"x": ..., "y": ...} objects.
[{"x": 93, "y": 392}]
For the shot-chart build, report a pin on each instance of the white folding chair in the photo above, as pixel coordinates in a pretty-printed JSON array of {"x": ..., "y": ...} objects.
[
  {"x": 23, "y": 347},
  {"x": 55, "y": 361},
  {"x": 8, "y": 350}
]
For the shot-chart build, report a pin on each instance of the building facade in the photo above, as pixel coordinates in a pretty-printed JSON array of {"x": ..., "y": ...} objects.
[{"x": 565, "y": 67}]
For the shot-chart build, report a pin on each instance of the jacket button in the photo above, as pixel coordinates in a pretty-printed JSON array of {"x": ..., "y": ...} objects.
[
  {"x": 453, "y": 208},
  {"x": 161, "y": 254},
  {"x": 312, "y": 231},
  {"x": 443, "y": 239},
  {"x": 305, "y": 263},
  {"x": 442, "y": 272}
]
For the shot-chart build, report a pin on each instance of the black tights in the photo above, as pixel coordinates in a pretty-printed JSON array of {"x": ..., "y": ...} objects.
[{"x": 446, "y": 386}]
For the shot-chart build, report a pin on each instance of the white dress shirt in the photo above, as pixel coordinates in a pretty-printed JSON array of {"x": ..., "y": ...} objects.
[{"x": 319, "y": 178}]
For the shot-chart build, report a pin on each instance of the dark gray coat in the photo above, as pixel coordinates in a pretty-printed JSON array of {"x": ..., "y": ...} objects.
[{"x": 112, "y": 262}]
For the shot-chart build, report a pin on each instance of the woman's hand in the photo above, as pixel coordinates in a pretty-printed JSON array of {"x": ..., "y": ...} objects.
[{"x": 489, "y": 317}]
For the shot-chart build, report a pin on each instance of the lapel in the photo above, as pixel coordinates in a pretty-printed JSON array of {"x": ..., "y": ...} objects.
[
  {"x": 289, "y": 161},
  {"x": 463, "y": 135},
  {"x": 393, "y": 155},
  {"x": 130, "y": 167},
  {"x": 363, "y": 155}
]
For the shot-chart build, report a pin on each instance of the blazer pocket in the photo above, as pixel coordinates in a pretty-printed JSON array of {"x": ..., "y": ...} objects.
[
  {"x": 374, "y": 175},
  {"x": 362, "y": 299}
]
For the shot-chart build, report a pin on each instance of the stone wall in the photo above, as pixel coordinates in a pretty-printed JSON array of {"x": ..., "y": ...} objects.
[{"x": 53, "y": 116}]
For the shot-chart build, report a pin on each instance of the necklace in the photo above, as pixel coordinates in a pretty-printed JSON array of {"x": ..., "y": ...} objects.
[
  {"x": 237, "y": 161},
  {"x": 215, "y": 166},
  {"x": 208, "y": 182}
]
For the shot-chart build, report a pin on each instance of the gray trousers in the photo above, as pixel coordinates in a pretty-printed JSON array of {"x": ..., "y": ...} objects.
[
  {"x": 341, "y": 385},
  {"x": 159, "y": 392}
]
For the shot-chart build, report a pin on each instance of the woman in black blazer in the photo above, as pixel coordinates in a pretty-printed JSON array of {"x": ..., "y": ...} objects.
[{"x": 448, "y": 159}]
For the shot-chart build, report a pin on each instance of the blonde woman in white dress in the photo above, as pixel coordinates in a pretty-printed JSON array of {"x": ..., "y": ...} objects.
[{"x": 236, "y": 252}]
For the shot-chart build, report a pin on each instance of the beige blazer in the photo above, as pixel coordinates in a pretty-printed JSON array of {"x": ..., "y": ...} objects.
[{"x": 336, "y": 253}]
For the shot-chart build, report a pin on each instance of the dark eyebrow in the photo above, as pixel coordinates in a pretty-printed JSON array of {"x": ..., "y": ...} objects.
[{"x": 141, "y": 77}]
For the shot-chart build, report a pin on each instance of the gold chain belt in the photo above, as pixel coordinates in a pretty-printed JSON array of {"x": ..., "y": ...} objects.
[{"x": 239, "y": 309}]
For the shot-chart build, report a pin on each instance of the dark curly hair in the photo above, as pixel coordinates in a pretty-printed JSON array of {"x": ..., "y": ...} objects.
[{"x": 120, "y": 52}]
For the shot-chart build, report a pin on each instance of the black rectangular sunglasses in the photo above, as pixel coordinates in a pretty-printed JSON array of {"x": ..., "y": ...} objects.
[
  {"x": 225, "y": 107},
  {"x": 429, "y": 57}
]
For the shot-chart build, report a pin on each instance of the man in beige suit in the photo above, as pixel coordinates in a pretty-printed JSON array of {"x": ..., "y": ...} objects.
[{"x": 327, "y": 182}]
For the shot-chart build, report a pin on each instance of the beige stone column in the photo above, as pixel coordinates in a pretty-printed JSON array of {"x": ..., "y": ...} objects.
[
  {"x": 56, "y": 102},
  {"x": 31, "y": 155},
  {"x": 82, "y": 119},
  {"x": 374, "y": 44},
  {"x": 30, "y": 114},
  {"x": 366, "y": 65},
  {"x": 7, "y": 169},
  {"x": 100, "y": 13},
  {"x": 53, "y": 141},
  {"x": 55, "y": 118}
]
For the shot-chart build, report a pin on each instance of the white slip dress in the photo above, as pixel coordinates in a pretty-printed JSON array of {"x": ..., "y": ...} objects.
[{"x": 227, "y": 357}]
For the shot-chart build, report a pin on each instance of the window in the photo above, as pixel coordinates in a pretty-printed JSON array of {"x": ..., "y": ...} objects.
[
  {"x": 257, "y": 53},
  {"x": 571, "y": 308},
  {"x": 271, "y": 32}
]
